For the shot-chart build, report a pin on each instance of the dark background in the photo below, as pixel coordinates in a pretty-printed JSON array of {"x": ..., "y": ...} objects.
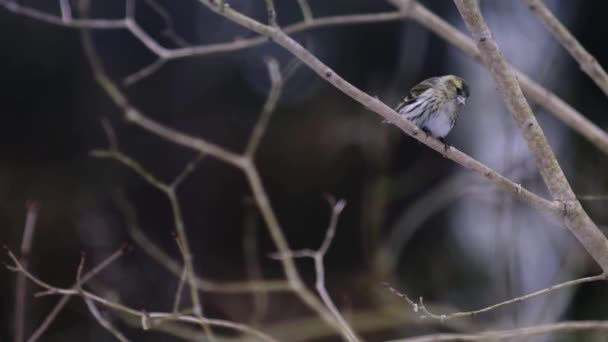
[{"x": 319, "y": 141}]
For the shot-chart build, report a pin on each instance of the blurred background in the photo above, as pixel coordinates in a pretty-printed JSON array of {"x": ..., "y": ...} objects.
[{"x": 413, "y": 218}]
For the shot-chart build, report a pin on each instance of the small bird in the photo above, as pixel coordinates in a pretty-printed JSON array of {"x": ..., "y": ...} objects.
[{"x": 432, "y": 104}]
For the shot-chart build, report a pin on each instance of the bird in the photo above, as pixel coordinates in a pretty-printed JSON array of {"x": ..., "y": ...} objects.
[{"x": 433, "y": 104}]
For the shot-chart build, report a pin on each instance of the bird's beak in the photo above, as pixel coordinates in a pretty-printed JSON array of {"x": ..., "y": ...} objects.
[{"x": 462, "y": 100}]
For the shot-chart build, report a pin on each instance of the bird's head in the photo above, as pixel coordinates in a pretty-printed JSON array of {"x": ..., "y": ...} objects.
[{"x": 458, "y": 87}]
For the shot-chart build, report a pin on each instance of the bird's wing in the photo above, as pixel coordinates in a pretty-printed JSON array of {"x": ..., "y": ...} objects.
[{"x": 416, "y": 91}]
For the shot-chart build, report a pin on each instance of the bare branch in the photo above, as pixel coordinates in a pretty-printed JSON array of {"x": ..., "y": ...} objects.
[
  {"x": 318, "y": 258},
  {"x": 98, "y": 24},
  {"x": 241, "y": 162},
  {"x": 144, "y": 72},
  {"x": 425, "y": 313},
  {"x": 276, "y": 85},
  {"x": 170, "y": 193},
  {"x": 151, "y": 318},
  {"x": 20, "y": 315},
  {"x": 542, "y": 96},
  {"x": 379, "y": 107},
  {"x": 150, "y": 248},
  {"x": 272, "y": 13},
  {"x": 252, "y": 259},
  {"x": 408, "y": 9},
  {"x": 169, "y": 30},
  {"x": 574, "y": 217},
  {"x": 541, "y": 329},
  {"x": 103, "y": 322},
  {"x": 306, "y": 11},
  {"x": 64, "y": 300},
  {"x": 587, "y": 62}
]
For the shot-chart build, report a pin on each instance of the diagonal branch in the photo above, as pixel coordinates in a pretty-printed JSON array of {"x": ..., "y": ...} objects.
[
  {"x": 575, "y": 217},
  {"x": 587, "y": 62},
  {"x": 379, "y": 107},
  {"x": 408, "y": 9},
  {"x": 148, "y": 319},
  {"x": 65, "y": 298},
  {"x": 318, "y": 257},
  {"x": 426, "y": 313},
  {"x": 542, "y": 96}
]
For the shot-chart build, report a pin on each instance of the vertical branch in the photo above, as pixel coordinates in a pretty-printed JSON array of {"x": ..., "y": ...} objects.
[
  {"x": 587, "y": 62},
  {"x": 574, "y": 216},
  {"x": 252, "y": 262},
  {"x": 66, "y": 10},
  {"x": 306, "y": 10},
  {"x": 20, "y": 318},
  {"x": 269, "y": 106},
  {"x": 318, "y": 257},
  {"x": 272, "y": 13},
  {"x": 65, "y": 298}
]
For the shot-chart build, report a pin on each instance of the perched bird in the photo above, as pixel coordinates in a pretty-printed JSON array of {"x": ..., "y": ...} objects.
[{"x": 432, "y": 104}]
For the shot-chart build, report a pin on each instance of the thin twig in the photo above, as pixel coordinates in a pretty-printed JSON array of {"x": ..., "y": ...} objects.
[
  {"x": 150, "y": 318},
  {"x": 252, "y": 260},
  {"x": 586, "y": 61},
  {"x": 103, "y": 322},
  {"x": 169, "y": 190},
  {"x": 425, "y": 313},
  {"x": 169, "y": 29},
  {"x": 150, "y": 248},
  {"x": 272, "y": 13},
  {"x": 519, "y": 333},
  {"x": 574, "y": 216},
  {"x": 180, "y": 285},
  {"x": 408, "y": 9},
  {"x": 306, "y": 11},
  {"x": 276, "y": 85},
  {"x": 64, "y": 300},
  {"x": 93, "y": 309},
  {"x": 318, "y": 257},
  {"x": 379, "y": 107},
  {"x": 241, "y": 162},
  {"x": 144, "y": 72},
  {"x": 20, "y": 317}
]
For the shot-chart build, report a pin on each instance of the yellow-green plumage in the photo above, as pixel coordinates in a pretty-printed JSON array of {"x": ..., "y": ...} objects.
[{"x": 433, "y": 104}]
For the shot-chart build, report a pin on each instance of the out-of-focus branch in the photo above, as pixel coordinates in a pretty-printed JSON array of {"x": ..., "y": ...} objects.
[
  {"x": 574, "y": 216},
  {"x": 426, "y": 313},
  {"x": 242, "y": 162},
  {"x": 276, "y": 85},
  {"x": 540, "y": 95},
  {"x": 20, "y": 317},
  {"x": 64, "y": 300},
  {"x": 408, "y": 9},
  {"x": 148, "y": 319},
  {"x": 541, "y": 329},
  {"x": 374, "y": 104},
  {"x": 104, "y": 322},
  {"x": 170, "y": 191},
  {"x": 318, "y": 257},
  {"x": 156, "y": 253},
  {"x": 587, "y": 62}
]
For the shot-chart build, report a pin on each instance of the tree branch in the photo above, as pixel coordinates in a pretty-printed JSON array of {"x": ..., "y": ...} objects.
[
  {"x": 587, "y": 62},
  {"x": 542, "y": 96},
  {"x": 574, "y": 217},
  {"x": 542, "y": 329}
]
